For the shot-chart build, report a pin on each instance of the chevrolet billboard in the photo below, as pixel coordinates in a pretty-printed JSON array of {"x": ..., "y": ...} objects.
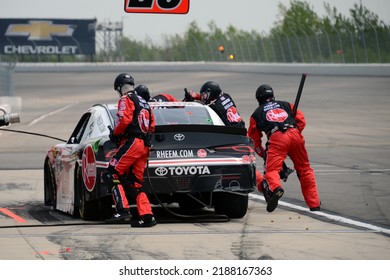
[{"x": 47, "y": 36}]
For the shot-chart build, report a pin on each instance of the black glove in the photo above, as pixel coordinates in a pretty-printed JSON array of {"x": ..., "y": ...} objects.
[
  {"x": 114, "y": 139},
  {"x": 187, "y": 96},
  {"x": 285, "y": 172}
]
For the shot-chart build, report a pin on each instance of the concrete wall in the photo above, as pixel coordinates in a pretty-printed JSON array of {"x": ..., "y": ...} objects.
[{"x": 269, "y": 68}]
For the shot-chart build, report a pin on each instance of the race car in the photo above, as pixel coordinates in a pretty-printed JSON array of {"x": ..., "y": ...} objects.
[{"x": 195, "y": 162}]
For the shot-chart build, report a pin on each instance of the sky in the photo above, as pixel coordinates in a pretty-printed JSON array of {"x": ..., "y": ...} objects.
[{"x": 247, "y": 15}]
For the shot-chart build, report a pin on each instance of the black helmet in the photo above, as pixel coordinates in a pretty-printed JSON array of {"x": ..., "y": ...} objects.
[
  {"x": 210, "y": 91},
  {"x": 121, "y": 80},
  {"x": 143, "y": 91},
  {"x": 264, "y": 92}
]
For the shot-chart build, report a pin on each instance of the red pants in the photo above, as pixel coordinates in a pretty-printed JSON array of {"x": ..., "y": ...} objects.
[
  {"x": 130, "y": 162},
  {"x": 290, "y": 143}
]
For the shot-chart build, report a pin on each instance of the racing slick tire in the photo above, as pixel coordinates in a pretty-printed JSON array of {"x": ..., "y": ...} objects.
[
  {"x": 87, "y": 209},
  {"x": 50, "y": 195},
  {"x": 233, "y": 205}
]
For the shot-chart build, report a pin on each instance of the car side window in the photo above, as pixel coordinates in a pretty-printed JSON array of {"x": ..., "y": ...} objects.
[{"x": 78, "y": 132}]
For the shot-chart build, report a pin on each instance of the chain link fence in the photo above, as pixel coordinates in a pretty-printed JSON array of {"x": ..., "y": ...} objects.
[{"x": 340, "y": 46}]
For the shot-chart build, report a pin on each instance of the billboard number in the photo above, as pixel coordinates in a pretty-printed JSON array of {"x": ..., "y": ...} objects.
[{"x": 157, "y": 6}]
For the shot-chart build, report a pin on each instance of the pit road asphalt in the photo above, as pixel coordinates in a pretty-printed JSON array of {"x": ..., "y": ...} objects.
[{"x": 347, "y": 139}]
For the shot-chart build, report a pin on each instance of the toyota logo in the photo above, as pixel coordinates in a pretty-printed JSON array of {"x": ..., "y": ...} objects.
[
  {"x": 161, "y": 171},
  {"x": 179, "y": 137}
]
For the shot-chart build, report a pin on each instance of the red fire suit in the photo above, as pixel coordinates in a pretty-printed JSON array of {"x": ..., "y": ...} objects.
[
  {"x": 275, "y": 119},
  {"x": 135, "y": 121}
]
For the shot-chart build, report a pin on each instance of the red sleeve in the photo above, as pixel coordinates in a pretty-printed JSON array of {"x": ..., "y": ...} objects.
[
  {"x": 299, "y": 118},
  {"x": 256, "y": 135},
  {"x": 125, "y": 115}
]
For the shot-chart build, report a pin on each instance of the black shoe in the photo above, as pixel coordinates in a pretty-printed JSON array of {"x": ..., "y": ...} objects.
[
  {"x": 285, "y": 172},
  {"x": 273, "y": 201},
  {"x": 266, "y": 191},
  {"x": 145, "y": 221},
  {"x": 318, "y": 208},
  {"x": 120, "y": 217}
]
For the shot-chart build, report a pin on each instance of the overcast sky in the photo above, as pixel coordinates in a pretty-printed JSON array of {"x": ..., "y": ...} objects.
[{"x": 258, "y": 15}]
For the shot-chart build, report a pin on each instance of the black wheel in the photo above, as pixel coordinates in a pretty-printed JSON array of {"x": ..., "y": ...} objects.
[
  {"x": 50, "y": 194},
  {"x": 88, "y": 209},
  {"x": 233, "y": 205}
]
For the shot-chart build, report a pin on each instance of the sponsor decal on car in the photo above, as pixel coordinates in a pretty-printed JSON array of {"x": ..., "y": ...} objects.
[
  {"x": 179, "y": 137},
  {"x": 201, "y": 153},
  {"x": 249, "y": 159},
  {"x": 182, "y": 170},
  {"x": 201, "y": 161},
  {"x": 88, "y": 168},
  {"x": 174, "y": 153}
]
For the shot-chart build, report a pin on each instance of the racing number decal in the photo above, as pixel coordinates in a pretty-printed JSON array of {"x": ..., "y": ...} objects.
[
  {"x": 157, "y": 6},
  {"x": 88, "y": 168}
]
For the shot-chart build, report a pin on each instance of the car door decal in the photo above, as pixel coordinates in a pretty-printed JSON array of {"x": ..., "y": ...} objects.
[{"x": 88, "y": 167}]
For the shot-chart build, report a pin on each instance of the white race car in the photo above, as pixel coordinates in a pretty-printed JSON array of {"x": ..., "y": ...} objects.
[{"x": 195, "y": 161}]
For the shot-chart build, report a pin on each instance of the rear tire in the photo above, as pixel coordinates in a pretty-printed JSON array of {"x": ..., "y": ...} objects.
[
  {"x": 233, "y": 205},
  {"x": 88, "y": 209},
  {"x": 50, "y": 194}
]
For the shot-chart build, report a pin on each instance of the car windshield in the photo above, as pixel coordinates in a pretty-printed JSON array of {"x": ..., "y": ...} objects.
[
  {"x": 172, "y": 115},
  {"x": 182, "y": 115}
]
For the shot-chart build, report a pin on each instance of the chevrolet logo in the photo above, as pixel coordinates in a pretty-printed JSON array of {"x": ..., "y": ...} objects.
[{"x": 39, "y": 30}]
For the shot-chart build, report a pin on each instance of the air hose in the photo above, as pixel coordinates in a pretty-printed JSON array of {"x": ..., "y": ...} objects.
[
  {"x": 33, "y": 133},
  {"x": 218, "y": 217}
]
